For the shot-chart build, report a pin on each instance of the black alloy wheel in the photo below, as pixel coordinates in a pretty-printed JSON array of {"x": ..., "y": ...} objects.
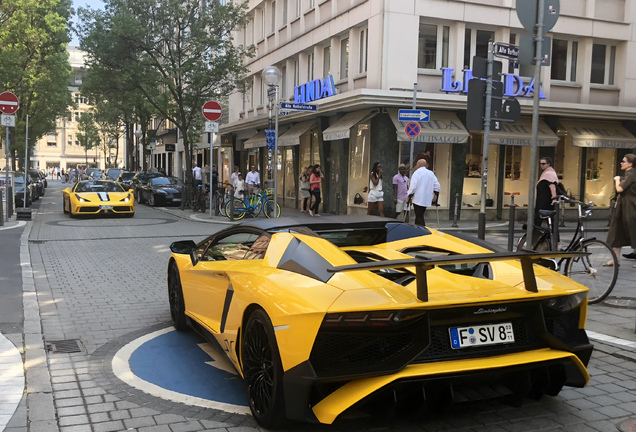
[
  {"x": 263, "y": 371},
  {"x": 175, "y": 297}
]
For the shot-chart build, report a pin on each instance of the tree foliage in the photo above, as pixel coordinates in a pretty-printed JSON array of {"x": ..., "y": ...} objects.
[
  {"x": 176, "y": 53},
  {"x": 34, "y": 64},
  {"x": 87, "y": 133}
]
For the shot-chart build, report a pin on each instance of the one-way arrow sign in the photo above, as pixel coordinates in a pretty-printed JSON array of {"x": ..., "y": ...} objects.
[{"x": 409, "y": 115}]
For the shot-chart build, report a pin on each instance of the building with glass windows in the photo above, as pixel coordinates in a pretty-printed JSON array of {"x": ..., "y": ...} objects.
[{"x": 359, "y": 61}]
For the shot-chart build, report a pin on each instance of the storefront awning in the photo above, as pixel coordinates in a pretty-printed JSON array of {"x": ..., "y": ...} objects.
[
  {"x": 443, "y": 127},
  {"x": 519, "y": 133},
  {"x": 342, "y": 128},
  {"x": 258, "y": 140},
  {"x": 292, "y": 136},
  {"x": 599, "y": 134}
]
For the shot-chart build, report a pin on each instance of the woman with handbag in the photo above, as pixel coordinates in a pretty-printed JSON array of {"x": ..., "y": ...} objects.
[
  {"x": 305, "y": 196},
  {"x": 622, "y": 229},
  {"x": 314, "y": 184},
  {"x": 376, "y": 194}
]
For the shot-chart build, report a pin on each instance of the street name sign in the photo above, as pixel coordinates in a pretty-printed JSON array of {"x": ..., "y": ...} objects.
[
  {"x": 410, "y": 115},
  {"x": 506, "y": 50},
  {"x": 298, "y": 107},
  {"x": 212, "y": 110},
  {"x": 8, "y": 103}
]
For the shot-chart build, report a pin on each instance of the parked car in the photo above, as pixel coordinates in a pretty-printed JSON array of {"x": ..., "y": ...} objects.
[
  {"x": 89, "y": 171},
  {"x": 140, "y": 179},
  {"x": 112, "y": 173},
  {"x": 125, "y": 177},
  {"x": 37, "y": 180},
  {"x": 96, "y": 175},
  {"x": 161, "y": 191},
  {"x": 43, "y": 177},
  {"x": 20, "y": 187},
  {"x": 320, "y": 317}
]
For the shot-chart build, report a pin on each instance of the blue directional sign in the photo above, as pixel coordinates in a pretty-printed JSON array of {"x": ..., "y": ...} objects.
[
  {"x": 409, "y": 115},
  {"x": 298, "y": 107}
]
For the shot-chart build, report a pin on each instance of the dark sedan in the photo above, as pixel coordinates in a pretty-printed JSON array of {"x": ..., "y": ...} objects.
[
  {"x": 125, "y": 178},
  {"x": 139, "y": 180},
  {"x": 39, "y": 185},
  {"x": 112, "y": 173},
  {"x": 19, "y": 190},
  {"x": 161, "y": 191}
]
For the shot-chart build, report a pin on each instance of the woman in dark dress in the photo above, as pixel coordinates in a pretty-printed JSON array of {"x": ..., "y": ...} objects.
[
  {"x": 546, "y": 188},
  {"x": 622, "y": 230}
]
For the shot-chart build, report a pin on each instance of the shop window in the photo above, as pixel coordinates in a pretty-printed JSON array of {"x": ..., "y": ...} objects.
[
  {"x": 592, "y": 165},
  {"x": 359, "y": 162},
  {"x": 433, "y": 46},
  {"x": 474, "y": 156},
  {"x": 290, "y": 184},
  {"x": 603, "y": 61},
  {"x": 420, "y": 151},
  {"x": 564, "y": 57},
  {"x": 599, "y": 174},
  {"x": 513, "y": 162}
]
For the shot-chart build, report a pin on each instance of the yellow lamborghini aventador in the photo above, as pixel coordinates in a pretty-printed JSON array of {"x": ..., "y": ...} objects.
[
  {"x": 93, "y": 197},
  {"x": 339, "y": 312}
]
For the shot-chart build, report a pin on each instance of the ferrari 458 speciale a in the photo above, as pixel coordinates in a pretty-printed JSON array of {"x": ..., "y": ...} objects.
[{"x": 98, "y": 197}]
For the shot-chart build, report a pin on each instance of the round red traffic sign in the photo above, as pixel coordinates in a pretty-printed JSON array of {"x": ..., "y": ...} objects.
[
  {"x": 412, "y": 129},
  {"x": 8, "y": 103},
  {"x": 212, "y": 110}
]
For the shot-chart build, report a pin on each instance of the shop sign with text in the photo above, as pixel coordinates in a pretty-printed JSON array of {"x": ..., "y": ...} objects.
[
  {"x": 314, "y": 90},
  {"x": 513, "y": 85}
]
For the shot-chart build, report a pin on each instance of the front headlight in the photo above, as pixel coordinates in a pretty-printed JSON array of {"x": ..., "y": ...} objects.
[
  {"x": 80, "y": 199},
  {"x": 127, "y": 198},
  {"x": 565, "y": 303}
]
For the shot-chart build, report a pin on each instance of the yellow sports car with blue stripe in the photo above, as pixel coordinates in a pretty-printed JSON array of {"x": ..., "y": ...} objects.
[
  {"x": 98, "y": 197},
  {"x": 328, "y": 318}
]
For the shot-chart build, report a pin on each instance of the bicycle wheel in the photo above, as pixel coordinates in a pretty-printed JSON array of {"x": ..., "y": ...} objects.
[
  {"x": 220, "y": 203},
  {"x": 239, "y": 210},
  {"x": 258, "y": 207},
  {"x": 590, "y": 271},
  {"x": 542, "y": 246},
  {"x": 269, "y": 209},
  {"x": 195, "y": 204},
  {"x": 203, "y": 203}
]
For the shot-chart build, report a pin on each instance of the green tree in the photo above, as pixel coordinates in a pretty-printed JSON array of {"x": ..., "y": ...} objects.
[
  {"x": 87, "y": 133},
  {"x": 177, "y": 53},
  {"x": 34, "y": 65}
]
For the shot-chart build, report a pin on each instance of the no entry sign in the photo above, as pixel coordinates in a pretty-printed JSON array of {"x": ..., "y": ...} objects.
[
  {"x": 212, "y": 110},
  {"x": 8, "y": 103}
]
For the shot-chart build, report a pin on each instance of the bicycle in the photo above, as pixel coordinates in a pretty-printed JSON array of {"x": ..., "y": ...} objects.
[
  {"x": 598, "y": 270},
  {"x": 252, "y": 206},
  {"x": 200, "y": 199},
  {"x": 221, "y": 196}
]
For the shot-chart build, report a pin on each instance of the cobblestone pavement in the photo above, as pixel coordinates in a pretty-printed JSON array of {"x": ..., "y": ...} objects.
[{"x": 101, "y": 282}]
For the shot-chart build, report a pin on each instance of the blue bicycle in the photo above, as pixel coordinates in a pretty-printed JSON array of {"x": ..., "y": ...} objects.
[{"x": 252, "y": 206}]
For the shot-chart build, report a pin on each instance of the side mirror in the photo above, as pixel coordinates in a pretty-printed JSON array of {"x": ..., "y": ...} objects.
[
  {"x": 131, "y": 190},
  {"x": 183, "y": 247}
]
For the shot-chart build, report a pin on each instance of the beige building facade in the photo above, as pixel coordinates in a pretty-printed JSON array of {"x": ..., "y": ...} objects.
[{"x": 372, "y": 53}]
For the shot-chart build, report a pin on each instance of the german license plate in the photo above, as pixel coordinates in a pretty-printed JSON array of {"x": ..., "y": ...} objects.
[
  {"x": 106, "y": 207},
  {"x": 490, "y": 334},
  {"x": 176, "y": 199}
]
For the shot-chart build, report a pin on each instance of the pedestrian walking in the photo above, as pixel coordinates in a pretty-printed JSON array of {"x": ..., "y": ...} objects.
[
  {"x": 253, "y": 180},
  {"x": 58, "y": 173},
  {"x": 422, "y": 191},
  {"x": 239, "y": 187},
  {"x": 546, "y": 189},
  {"x": 622, "y": 229},
  {"x": 197, "y": 176},
  {"x": 314, "y": 185},
  {"x": 376, "y": 194},
  {"x": 234, "y": 176},
  {"x": 400, "y": 192},
  {"x": 305, "y": 195}
]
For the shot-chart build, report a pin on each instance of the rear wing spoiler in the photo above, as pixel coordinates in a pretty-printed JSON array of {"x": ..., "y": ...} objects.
[{"x": 423, "y": 265}]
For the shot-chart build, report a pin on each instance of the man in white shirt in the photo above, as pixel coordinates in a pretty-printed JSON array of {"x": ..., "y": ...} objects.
[
  {"x": 253, "y": 180},
  {"x": 424, "y": 184},
  {"x": 196, "y": 175}
]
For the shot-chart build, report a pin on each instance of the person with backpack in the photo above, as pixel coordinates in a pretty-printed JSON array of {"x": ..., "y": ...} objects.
[{"x": 546, "y": 191}]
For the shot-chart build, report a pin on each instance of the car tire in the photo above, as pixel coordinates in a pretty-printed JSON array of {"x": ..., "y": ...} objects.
[
  {"x": 175, "y": 298},
  {"x": 151, "y": 200},
  {"x": 64, "y": 207},
  {"x": 263, "y": 371}
]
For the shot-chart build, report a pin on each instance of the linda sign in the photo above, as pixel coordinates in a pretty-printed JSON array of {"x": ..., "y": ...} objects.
[
  {"x": 513, "y": 84},
  {"x": 314, "y": 90}
]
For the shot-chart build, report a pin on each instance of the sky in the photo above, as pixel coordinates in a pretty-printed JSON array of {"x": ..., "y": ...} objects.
[{"x": 94, "y": 4}]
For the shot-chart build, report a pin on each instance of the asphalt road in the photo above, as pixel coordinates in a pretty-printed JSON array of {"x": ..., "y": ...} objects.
[{"x": 101, "y": 282}]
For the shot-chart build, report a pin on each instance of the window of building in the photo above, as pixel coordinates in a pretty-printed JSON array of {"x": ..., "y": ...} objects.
[
  {"x": 326, "y": 61},
  {"x": 603, "y": 61},
  {"x": 262, "y": 23},
  {"x": 261, "y": 91},
  {"x": 564, "y": 56},
  {"x": 70, "y": 140},
  {"x": 474, "y": 156},
  {"x": 285, "y": 11},
  {"x": 476, "y": 44},
  {"x": 283, "y": 82},
  {"x": 344, "y": 58},
  {"x": 310, "y": 66},
  {"x": 298, "y": 7},
  {"x": 273, "y": 16},
  {"x": 310, "y": 4},
  {"x": 296, "y": 73},
  {"x": 364, "y": 49},
  {"x": 77, "y": 115},
  {"x": 517, "y": 69},
  {"x": 433, "y": 46}
]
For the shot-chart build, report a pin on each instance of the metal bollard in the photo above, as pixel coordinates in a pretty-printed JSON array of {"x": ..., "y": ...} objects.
[
  {"x": 511, "y": 224},
  {"x": 2, "y": 207},
  {"x": 337, "y": 203},
  {"x": 555, "y": 227},
  {"x": 454, "y": 225}
]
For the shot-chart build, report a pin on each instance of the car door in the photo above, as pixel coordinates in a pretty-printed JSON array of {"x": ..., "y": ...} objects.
[{"x": 209, "y": 281}]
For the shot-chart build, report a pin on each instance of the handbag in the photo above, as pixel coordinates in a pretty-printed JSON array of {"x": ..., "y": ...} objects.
[{"x": 358, "y": 199}]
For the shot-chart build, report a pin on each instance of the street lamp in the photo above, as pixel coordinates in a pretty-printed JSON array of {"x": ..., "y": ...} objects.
[
  {"x": 138, "y": 134},
  {"x": 271, "y": 76}
]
